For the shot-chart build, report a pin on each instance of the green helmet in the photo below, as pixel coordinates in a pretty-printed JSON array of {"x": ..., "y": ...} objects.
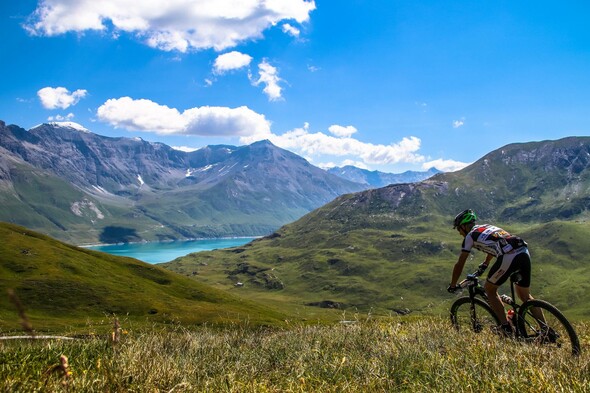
[{"x": 465, "y": 217}]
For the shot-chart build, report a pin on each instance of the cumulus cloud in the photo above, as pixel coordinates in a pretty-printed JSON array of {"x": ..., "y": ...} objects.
[
  {"x": 146, "y": 115},
  {"x": 445, "y": 165},
  {"x": 67, "y": 117},
  {"x": 458, "y": 123},
  {"x": 169, "y": 25},
  {"x": 342, "y": 132},
  {"x": 230, "y": 61},
  {"x": 59, "y": 97},
  {"x": 269, "y": 77},
  {"x": 291, "y": 30},
  {"x": 249, "y": 127},
  {"x": 306, "y": 143}
]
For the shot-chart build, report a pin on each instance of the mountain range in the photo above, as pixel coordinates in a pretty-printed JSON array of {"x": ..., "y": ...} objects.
[
  {"x": 388, "y": 250},
  {"x": 377, "y": 179},
  {"x": 392, "y": 249},
  {"x": 77, "y": 186}
]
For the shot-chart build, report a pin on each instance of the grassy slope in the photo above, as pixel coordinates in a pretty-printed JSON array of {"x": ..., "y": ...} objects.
[
  {"x": 387, "y": 269},
  {"x": 61, "y": 285},
  {"x": 393, "y": 248},
  {"x": 42, "y": 202},
  {"x": 398, "y": 355}
]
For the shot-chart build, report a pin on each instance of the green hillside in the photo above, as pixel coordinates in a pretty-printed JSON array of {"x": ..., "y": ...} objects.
[
  {"x": 63, "y": 286},
  {"x": 386, "y": 270},
  {"x": 393, "y": 249}
]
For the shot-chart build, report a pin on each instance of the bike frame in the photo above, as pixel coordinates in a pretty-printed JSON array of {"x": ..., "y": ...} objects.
[
  {"x": 475, "y": 289},
  {"x": 525, "y": 328}
]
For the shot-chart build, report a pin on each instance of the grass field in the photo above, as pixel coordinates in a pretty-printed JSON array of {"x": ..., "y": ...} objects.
[
  {"x": 62, "y": 287},
  {"x": 384, "y": 355},
  {"x": 385, "y": 270}
]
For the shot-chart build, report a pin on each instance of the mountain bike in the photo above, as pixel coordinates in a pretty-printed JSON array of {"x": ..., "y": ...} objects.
[{"x": 474, "y": 313}]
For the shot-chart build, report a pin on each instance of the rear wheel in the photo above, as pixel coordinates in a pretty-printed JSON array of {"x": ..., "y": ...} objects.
[
  {"x": 477, "y": 316},
  {"x": 555, "y": 332}
]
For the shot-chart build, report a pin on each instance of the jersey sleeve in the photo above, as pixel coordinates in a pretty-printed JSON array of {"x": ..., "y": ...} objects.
[{"x": 467, "y": 244}]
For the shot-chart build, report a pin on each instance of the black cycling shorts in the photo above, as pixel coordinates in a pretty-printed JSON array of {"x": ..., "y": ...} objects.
[{"x": 510, "y": 263}]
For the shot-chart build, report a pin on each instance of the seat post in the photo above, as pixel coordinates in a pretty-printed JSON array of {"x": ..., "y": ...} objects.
[{"x": 514, "y": 278}]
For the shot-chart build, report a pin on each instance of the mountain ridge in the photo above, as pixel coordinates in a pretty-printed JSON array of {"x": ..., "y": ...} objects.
[
  {"x": 108, "y": 190},
  {"x": 377, "y": 179},
  {"x": 393, "y": 248}
]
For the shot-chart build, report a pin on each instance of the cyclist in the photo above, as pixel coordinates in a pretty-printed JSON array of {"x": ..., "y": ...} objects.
[{"x": 511, "y": 253}]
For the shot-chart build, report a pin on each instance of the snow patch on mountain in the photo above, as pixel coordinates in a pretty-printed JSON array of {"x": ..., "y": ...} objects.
[{"x": 70, "y": 124}]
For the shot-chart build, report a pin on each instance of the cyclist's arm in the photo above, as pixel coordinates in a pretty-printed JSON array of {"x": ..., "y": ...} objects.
[
  {"x": 489, "y": 257},
  {"x": 458, "y": 268}
]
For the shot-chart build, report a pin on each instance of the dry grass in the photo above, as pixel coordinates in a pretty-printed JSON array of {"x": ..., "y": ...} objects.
[{"x": 396, "y": 355}]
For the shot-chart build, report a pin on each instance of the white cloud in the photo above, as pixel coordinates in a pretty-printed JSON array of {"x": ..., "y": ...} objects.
[
  {"x": 358, "y": 164},
  {"x": 445, "y": 165},
  {"x": 146, "y": 115},
  {"x": 301, "y": 141},
  {"x": 287, "y": 28},
  {"x": 59, "y": 97},
  {"x": 185, "y": 149},
  {"x": 170, "y": 24},
  {"x": 67, "y": 117},
  {"x": 330, "y": 165},
  {"x": 269, "y": 76},
  {"x": 230, "y": 61},
  {"x": 249, "y": 126},
  {"x": 458, "y": 123},
  {"x": 342, "y": 132}
]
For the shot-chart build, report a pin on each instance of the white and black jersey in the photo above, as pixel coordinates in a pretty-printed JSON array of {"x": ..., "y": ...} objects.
[{"x": 491, "y": 240}]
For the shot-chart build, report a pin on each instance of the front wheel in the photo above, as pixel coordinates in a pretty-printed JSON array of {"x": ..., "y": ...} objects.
[
  {"x": 476, "y": 316},
  {"x": 555, "y": 331}
]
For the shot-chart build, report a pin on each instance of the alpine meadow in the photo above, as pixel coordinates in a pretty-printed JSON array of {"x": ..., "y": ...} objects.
[
  {"x": 349, "y": 297},
  {"x": 298, "y": 196}
]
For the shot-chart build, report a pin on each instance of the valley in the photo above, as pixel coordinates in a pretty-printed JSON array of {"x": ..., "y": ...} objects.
[{"x": 384, "y": 251}]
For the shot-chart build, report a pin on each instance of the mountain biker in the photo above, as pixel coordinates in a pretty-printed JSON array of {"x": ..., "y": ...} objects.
[{"x": 511, "y": 253}]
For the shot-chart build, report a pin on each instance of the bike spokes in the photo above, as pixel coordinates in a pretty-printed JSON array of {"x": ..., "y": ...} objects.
[
  {"x": 476, "y": 316},
  {"x": 553, "y": 331}
]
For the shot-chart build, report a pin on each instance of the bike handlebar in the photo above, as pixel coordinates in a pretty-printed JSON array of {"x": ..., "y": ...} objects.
[{"x": 470, "y": 279}]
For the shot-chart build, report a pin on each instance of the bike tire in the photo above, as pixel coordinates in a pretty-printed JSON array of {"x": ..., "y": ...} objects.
[
  {"x": 557, "y": 332},
  {"x": 483, "y": 318}
]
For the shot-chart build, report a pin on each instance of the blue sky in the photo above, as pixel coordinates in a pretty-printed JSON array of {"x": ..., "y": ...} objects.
[{"x": 387, "y": 85}]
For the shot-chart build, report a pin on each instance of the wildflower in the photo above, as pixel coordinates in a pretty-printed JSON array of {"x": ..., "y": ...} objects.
[
  {"x": 62, "y": 368},
  {"x": 116, "y": 333}
]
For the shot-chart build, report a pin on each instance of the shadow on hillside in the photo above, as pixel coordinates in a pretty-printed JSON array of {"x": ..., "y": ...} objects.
[{"x": 113, "y": 234}]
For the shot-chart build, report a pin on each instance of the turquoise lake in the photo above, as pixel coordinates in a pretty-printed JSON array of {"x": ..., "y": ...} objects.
[{"x": 158, "y": 252}]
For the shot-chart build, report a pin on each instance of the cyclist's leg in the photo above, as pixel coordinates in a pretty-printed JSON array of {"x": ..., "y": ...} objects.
[
  {"x": 523, "y": 263},
  {"x": 498, "y": 274},
  {"x": 524, "y": 294},
  {"x": 494, "y": 301}
]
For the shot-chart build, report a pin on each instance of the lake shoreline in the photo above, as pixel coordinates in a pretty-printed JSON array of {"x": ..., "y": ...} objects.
[
  {"x": 167, "y": 241},
  {"x": 166, "y": 251}
]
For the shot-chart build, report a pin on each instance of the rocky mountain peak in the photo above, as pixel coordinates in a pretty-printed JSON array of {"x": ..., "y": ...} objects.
[{"x": 218, "y": 190}]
